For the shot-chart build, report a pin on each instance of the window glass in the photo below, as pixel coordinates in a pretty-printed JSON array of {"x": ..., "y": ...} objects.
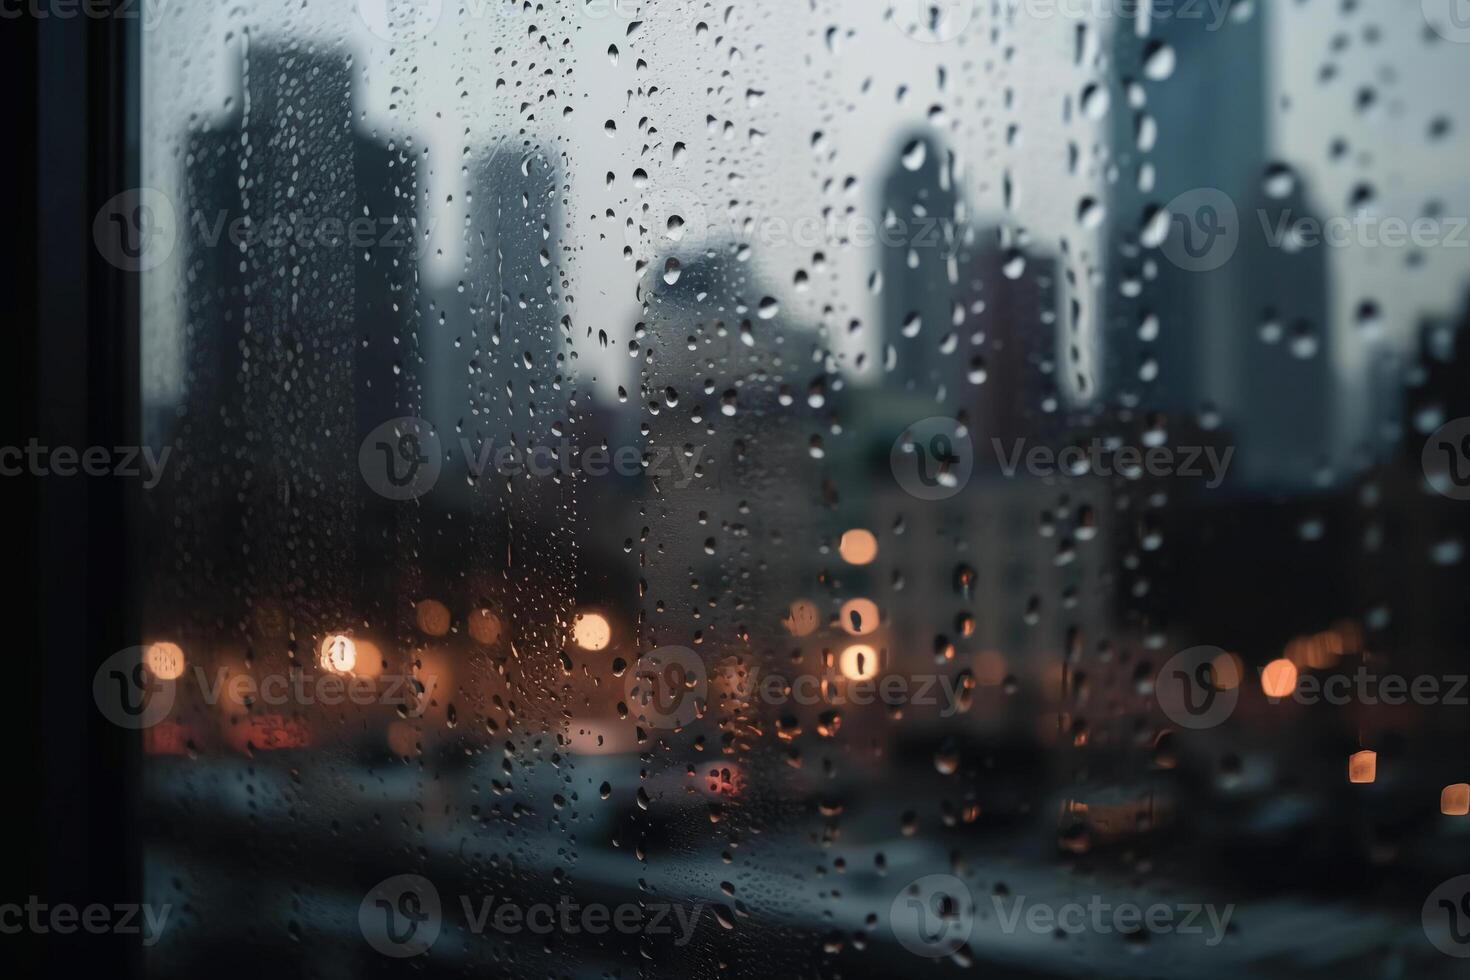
[{"x": 814, "y": 488}]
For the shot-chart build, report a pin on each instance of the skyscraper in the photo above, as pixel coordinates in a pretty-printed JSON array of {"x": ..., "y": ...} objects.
[
  {"x": 504, "y": 530},
  {"x": 1241, "y": 329},
  {"x": 497, "y": 342},
  {"x": 300, "y": 274},
  {"x": 968, "y": 320},
  {"x": 918, "y": 231}
]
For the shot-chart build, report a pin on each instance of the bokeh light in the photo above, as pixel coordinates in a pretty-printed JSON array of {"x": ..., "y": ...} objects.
[
  {"x": 432, "y": 617},
  {"x": 858, "y": 546},
  {"x": 859, "y": 616},
  {"x": 339, "y": 653},
  {"x": 591, "y": 631},
  {"x": 164, "y": 661},
  {"x": 859, "y": 662}
]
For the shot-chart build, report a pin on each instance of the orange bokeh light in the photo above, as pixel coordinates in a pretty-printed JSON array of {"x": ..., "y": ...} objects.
[
  {"x": 485, "y": 627},
  {"x": 802, "y": 619},
  {"x": 859, "y": 616},
  {"x": 339, "y": 653},
  {"x": 432, "y": 617},
  {"x": 164, "y": 661},
  {"x": 1278, "y": 680},
  {"x": 858, "y": 546},
  {"x": 859, "y": 662}
]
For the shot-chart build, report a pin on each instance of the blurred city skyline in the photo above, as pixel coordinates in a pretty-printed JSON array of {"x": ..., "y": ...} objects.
[{"x": 444, "y": 123}]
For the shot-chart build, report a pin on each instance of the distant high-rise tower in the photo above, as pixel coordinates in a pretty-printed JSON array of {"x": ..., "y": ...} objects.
[
  {"x": 498, "y": 347},
  {"x": 299, "y": 274},
  {"x": 497, "y": 387},
  {"x": 1243, "y": 335},
  {"x": 969, "y": 323},
  {"x": 918, "y": 231}
]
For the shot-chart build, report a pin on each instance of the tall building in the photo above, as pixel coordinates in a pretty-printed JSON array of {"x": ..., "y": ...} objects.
[
  {"x": 919, "y": 227},
  {"x": 496, "y": 343},
  {"x": 299, "y": 274},
  {"x": 969, "y": 322},
  {"x": 1011, "y": 297},
  {"x": 1246, "y": 336},
  {"x": 732, "y": 385},
  {"x": 505, "y": 530}
]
